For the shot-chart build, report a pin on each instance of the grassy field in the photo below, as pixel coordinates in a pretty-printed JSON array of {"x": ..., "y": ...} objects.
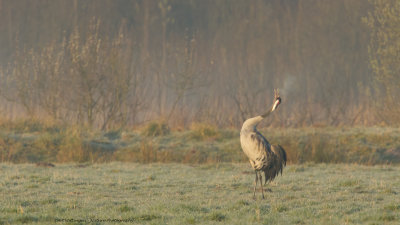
[{"x": 202, "y": 194}]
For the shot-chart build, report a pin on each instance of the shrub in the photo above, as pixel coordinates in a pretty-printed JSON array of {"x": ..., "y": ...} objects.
[
  {"x": 72, "y": 147},
  {"x": 45, "y": 147},
  {"x": 156, "y": 128},
  {"x": 113, "y": 134},
  {"x": 202, "y": 131},
  {"x": 147, "y": 152},
  {"x": 10, "y": 149},
  {"x": 31, "y": 126}
]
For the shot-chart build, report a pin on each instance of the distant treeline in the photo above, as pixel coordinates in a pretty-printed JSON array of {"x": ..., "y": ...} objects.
[{"x": 110, "y": 64}]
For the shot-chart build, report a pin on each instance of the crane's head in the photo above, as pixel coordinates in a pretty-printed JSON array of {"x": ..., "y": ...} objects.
[{"x": 277, "y": 98}]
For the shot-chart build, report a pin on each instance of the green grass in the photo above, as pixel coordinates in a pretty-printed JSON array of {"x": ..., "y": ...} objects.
[{"x": 201, "y": 194}]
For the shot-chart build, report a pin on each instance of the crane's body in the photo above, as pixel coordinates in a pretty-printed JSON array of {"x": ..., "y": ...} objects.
[
  {"x": 263, "y": 156},
  {"x": 254, "y": 145}
]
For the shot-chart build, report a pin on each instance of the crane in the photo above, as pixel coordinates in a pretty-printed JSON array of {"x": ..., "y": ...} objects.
[{"x": 263, "y": 156}]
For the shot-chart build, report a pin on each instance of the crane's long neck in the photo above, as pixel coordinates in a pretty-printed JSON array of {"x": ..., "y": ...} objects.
[
  {"x": 266, "y": 114},
  {"x": 251, "y": 124}
]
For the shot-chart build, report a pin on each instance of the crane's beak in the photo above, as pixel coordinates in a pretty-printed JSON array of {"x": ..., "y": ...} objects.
[{"x": 277, "y": 102}]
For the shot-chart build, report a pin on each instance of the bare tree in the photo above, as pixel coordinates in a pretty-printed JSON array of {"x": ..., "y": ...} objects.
[
  {"x": 87, "y": 72},
  {"x": 186, "y": 78},
  {"x": 18, "y": 82},
  {"x": 384, "y": 49}
]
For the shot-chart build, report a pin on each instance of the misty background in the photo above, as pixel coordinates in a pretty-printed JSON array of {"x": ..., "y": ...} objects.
[{"x": 109, "y": 64}]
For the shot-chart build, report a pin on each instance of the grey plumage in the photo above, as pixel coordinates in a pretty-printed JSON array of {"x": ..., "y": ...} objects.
[
  {"x": 263, "y": 156},
  {"x": 278, "y": 162}
]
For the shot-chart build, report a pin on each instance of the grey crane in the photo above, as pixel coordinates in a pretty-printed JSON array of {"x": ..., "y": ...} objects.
[{"x": 263, "y": 156}]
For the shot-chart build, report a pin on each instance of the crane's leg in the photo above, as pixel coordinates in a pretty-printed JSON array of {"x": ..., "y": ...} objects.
[
  {"x": 262, "y": 189},
  {"x": 255, "y": 185}
]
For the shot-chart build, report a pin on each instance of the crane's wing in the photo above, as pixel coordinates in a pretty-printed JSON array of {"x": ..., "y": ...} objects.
[
  {"x": 257, "y": 149},
  {"x": 280, "y": 157},
  {"x": 279, "y": 161}
]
